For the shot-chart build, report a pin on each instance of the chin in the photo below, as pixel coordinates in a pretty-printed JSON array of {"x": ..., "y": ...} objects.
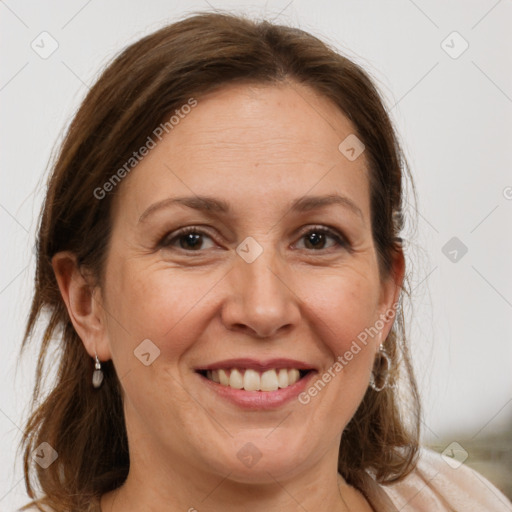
[{"x": 259, "y": 459}]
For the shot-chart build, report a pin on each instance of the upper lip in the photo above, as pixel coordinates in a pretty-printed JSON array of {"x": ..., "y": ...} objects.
[{"x": 256, "y": 364}]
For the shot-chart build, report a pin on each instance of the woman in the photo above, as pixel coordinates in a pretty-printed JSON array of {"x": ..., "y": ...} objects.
[{"x": 219, "y": 253}]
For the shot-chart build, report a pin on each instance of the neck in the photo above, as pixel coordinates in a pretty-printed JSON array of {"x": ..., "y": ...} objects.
[{"x": 177, "y": 489}]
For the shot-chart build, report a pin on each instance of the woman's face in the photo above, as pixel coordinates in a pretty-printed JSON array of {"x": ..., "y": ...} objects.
[{"x": 258, "y": 281}]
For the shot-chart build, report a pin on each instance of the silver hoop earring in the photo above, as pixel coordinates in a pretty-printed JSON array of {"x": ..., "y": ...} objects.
[
  {"x": 97, "y": 375},
  {"x": 382, "y": 374}
]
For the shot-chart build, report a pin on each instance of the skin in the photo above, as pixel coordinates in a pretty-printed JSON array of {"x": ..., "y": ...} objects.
[{"x": 259, "y": 148}]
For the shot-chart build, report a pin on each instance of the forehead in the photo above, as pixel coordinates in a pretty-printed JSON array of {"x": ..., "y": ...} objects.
[{"x": 258, "y": 145}]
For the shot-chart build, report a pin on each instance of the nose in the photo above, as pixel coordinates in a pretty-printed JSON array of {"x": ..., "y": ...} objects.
[{"x": 262, "y": 300}]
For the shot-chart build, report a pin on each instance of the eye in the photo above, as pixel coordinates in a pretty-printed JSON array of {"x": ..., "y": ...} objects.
[
  {"x": 316, "y": 238},
  {"x": 189, "y": 238}
]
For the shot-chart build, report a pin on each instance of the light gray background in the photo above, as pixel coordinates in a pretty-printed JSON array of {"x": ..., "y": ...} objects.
[{"x": 453, "y": 116}]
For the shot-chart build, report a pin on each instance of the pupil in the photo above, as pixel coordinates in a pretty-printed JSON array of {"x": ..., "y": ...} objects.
[
  {"x": 191, "y": 239},
  {"x": 316, "y": 237}
]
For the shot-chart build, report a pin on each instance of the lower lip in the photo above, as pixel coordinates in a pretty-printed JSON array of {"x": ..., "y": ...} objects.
[{"x": 259, "y": 399}]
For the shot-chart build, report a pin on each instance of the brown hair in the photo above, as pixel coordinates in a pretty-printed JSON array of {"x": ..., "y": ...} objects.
[{"x": 137, "y": 92}]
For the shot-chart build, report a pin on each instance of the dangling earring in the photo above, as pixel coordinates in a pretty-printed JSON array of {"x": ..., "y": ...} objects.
[
  {"x": 97, "y": 375},
  {"x": 382, "y": 374}
]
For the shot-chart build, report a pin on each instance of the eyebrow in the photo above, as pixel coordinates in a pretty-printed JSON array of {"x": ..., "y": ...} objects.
[{"x": 212, "y": 204}]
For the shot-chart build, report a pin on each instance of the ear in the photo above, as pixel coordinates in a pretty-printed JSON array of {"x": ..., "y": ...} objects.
[
  {"x": 391, "y": 287},
  {"x": 83, "y": 302}
]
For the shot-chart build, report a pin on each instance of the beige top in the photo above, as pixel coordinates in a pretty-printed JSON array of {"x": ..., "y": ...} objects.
[{"x": 433, "y": 486}]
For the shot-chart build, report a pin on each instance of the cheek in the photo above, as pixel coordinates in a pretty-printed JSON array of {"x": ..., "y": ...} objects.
[
  {"x": 161, "y": 304},
  {"x": 345, "y": 305}
]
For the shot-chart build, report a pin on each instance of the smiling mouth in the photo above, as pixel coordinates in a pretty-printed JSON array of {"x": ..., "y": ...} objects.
[{"x": 253, "y": 380}]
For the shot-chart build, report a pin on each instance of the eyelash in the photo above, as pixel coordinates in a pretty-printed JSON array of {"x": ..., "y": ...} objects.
[{"x": 167, "y": 242}]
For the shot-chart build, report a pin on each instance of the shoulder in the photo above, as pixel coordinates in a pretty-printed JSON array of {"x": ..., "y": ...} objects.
[{"x": 435, "y": 484}]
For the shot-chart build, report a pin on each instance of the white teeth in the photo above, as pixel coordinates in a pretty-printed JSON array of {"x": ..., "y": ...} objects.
[
  {"x": 282, "y": 378},
  {"x": 224, "y": 379},
  {"x": 293, "y": 376},
  {"x": 236, "y": 379},
  {"x": 269, "y": 381},
  {"x": 251, "y": 380}
]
